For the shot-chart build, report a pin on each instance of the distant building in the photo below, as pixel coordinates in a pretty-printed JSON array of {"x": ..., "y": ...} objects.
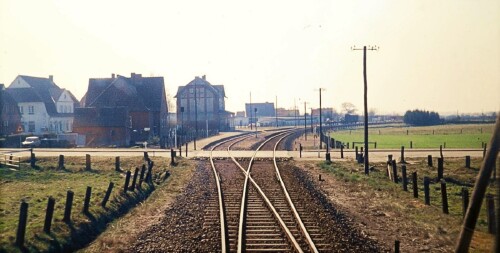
[
  {"x": 350, "y": 118},
  {"x": 326, "y": 112},
  {"x": 263, "y": 109},
  {"x": 44, "y": 107},
  {"x": 240, "y": 114},
  {"x": 141, "y": 100},
  {"x": 202, "y": 105},
  {"x": 10, "y": 117},
  {"x": 282, "y": 112}
]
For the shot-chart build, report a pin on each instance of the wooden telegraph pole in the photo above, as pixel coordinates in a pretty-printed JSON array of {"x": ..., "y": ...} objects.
[
  {"x": 482, "y": 181},
  {"x": 305, "y": 120},
  {"x": 320, "y": 120},
  {"x": 372, "y": 48}
]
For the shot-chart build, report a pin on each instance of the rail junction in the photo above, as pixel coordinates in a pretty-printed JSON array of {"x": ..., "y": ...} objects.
[{"x": 262, "y": 207}]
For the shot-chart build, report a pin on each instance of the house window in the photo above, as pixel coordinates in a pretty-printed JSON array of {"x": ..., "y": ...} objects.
[
  {"x": 67, "y": 126},
  {"x": 31, "y": 126},
  {"x": 31, "y": 110},
  {"x": 21, "y": 109}
]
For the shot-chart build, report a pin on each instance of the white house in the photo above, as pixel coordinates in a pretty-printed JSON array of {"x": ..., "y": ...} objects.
[{"x": 45, "y": 108}]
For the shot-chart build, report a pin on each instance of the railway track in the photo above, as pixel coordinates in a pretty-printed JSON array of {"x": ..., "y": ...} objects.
[{"x": 266, "y": 219}]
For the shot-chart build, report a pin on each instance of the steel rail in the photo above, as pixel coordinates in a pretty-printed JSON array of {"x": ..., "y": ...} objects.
[
  {"x": 222, "y": 214},
  {"x": 266, "y": 200},
  {"x": 303, "y": 229}
]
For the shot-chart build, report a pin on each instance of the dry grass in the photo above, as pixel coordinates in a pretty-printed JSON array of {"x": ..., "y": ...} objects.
[
  {"x": 35, "y": 185},
  {"x": 148, "y": 212},
  {"x": 376, "y": 190}
]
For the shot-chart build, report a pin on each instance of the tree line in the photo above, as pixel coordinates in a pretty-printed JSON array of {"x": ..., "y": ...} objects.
[{"x": 422, "y": 118}]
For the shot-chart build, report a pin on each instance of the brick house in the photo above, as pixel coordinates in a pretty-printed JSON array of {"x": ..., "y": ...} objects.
[
  {"x": 210, "y": 113},
  {"x": 141, "y": 100},
  {"x": 104, "y": 126},
  {"x": 44, "y": 107},
  {"x": 10, "y": 117}
]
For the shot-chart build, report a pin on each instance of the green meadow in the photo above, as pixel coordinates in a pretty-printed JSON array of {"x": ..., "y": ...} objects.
[{"x": 450, "y": 136}]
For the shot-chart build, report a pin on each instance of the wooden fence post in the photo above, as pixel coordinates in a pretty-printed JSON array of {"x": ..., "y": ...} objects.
[
  {"x": 396, "y": 246},
  {"x": 444, "y": 196},
  {"x": 108, "y": 193},
  {"x": 342, "y": 151},
  {"x": 32, "y": 160},
  {"x": 429, "y": 161},
  {"x": 415, "y": 186},
  {"x": 117, "y": 164},
  {"x": 172, "y": 157},
  {"x": 441, "y": 150},
  {"x": 61, "y": 162},
  {"x": 127, "y": 181},
  {"x": 49, "y": 213},
  {"x": 405, "y": 179},
  {"x": 411, "y": 144},
  {"x": 467, "y": 161},
  {"x": 134, "y": 180},
  {"x": 141, "y": 177},
  {"x": 186, "y": 149},
  {"x": 426, "y": 191},
  {"x": 21, "y": 227},
  {"x": 69, "y": 205},
  {"x": 403, "y": 154},
  {"x": 88, "y": 165},
  {"x": 440, "y": 168},
  {"x": 395, "y": 171},
  {"x": 86, "y": 202},
  {"x": 146, "y": 156},
  {"x": 465, "y": 200}
]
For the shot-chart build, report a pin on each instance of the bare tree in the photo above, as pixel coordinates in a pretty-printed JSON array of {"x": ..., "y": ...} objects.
[
  {"x": 170, "y": 102},
  {"x": 349, "y": 108},
  {"x": 372, "y": 112}
]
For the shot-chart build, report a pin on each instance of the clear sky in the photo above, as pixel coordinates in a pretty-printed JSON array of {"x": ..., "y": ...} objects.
[{"x": 441, "y": 55}]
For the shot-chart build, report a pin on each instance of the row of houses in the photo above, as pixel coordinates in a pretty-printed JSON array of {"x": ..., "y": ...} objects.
[{"x": 115, "y": 110}]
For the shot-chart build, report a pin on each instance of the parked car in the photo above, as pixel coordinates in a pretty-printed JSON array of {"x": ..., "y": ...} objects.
[{"x": 31, "y": 141}]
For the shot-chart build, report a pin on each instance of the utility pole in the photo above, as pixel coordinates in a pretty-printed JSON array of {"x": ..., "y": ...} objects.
[
  {"x": 255, "y": 114},
  {"x": 312, "y": 129},
  {"x": 305, "y": 121},
  {"x": 276, "y": 111},
  {"x": 371, "y": 48},
  {"x": 320, "y": 120},
  {"x": 195, "y": 114},
  {"x": 250, "y": 120},
  {"x": 295, "y": 113}
]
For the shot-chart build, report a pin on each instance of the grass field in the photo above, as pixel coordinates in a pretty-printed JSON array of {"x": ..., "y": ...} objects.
[
  {"x": 450, "y": 136},
  {"x": 35, "y": 185},
  {"x": 456, "y": 176}
]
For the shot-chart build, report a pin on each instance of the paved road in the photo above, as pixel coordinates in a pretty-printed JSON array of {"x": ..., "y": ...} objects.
[{"x": 376, "y": 155}]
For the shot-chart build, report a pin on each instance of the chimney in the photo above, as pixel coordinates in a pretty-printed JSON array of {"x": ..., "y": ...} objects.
[
  {"x": 204, "y": 77},
  {"x": 113, "y": 75},
  {"x": 132, "y": 75},
  {"x": 51, "y": 78}
]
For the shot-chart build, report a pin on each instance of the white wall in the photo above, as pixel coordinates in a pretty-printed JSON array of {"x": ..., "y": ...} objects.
[{"x": 39, "y": 116}]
